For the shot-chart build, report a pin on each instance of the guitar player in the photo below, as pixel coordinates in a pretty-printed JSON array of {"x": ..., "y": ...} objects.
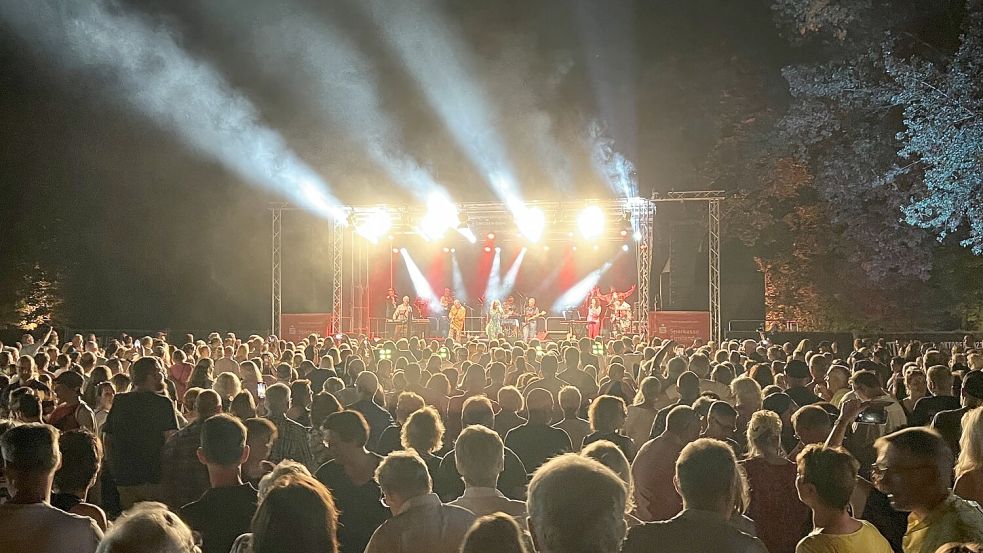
[{"x": 530, "y": 320}]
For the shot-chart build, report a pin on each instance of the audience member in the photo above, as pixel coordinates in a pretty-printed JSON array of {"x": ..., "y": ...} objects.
[
  {"x": 480, "y": 458},
  {"x": 536, "y": 441},
  {"x": 653, "y": 469},
  {"x": 949, "y": 423},
  {"x": 296, "y": 514},
  {"x": 494, "y": 533},
  {"x": 291, "y": 442},
  {"x": 81, "y": 458},
  {"x": 577, "y": 429},
  {"x": 607, "y": 416},
  {"x": 969, "y": 464},
  {"x": 183, "y": 477},
  {"x": 378, "y": 419},
  {"x": 149, "y": 528}
]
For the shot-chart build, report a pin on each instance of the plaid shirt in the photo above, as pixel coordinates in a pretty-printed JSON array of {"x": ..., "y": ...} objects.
[
  {"x": 183, "y": 478},
  {"x": 291, "y": 442}
]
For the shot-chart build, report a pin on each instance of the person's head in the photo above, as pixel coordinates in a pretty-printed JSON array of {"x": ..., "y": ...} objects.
[
  {"x": 826, "y": 476},
  {"x": 648, "y": 391},
  {"x": 147, "y": 374},
  {"x": 688, "y": 385},
  {"x": 208, "y": 404},
  {"x": 939, "y": 380},
  {"x": 406, "y": 404},
  {"x": 105, "y": 394},
  {"x": 278, "y": 398},
  {"x": 423, "y": 431},
  {"x": 495, "y": 533},
  {"x": 301, "y": 394},
  {"x": 26, "y": 368},
  {"x": 747, "y": 394},
  {"x": 867, "y": 385},
  {"x": 539, "y": 406},
  {"x": 296, "y": 513},
  {"x": 223, "y": 442},
  {"x": 611, "y": 456},
  {"x": 570, "y": 400},
  {"x": 260, "y": 435},
  {"x": 812, "y": 424},
  {"x": 402, "y": 475},
  {"x": 366, "y": 384},
  {"x": 480, "y": 456},
  {"x": 837, "y": 377},
  {"x": 607, "y": 414},
  {"x": 30, "y": 457},
  {"x": 683, "y": 423},
  {"x": 345, "y": 432},
  {"x": 700, "y": 364},
  {"x": 576, "y": 504},
  {"x": 510, "y": 399},
  {"x": 721, "y": 421},
  {"x": 706, "y": 476},
  {"x": 25, "y": 405},
  {"x": 148, "y": 527},
  {"x": 764, "y": 434},
  {"x": 914, "y": 467},
  {"x": 970, "y": 442},
  {"x": 243, "y": 406},
  {"x": 478, "y": 410},
  {"x": 81, "y": 457}
]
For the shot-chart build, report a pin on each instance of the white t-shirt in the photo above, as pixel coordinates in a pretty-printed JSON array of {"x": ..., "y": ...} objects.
[{"x": 41, "y": 528}]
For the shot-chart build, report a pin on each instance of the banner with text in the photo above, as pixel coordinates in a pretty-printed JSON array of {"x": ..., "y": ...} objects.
[
  {"x": 297, "y": 326},
  {"x": 681, "y": 326}
]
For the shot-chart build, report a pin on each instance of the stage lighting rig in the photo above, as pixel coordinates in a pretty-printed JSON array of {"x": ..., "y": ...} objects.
[{"x": 590, "y": 222}]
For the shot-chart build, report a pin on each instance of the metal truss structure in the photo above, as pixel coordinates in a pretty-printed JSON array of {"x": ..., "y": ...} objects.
[{"x": 713, "y": 199}]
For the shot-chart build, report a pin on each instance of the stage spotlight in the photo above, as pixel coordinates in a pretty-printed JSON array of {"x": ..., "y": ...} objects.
[
  {"x": 441, "y": 215},
  {"x": 497, "y": 250},
  {"x": 531, "y": 222},
  {"x": 546, "y": 248},
  {"x": 447, "y": 250},
  {"x": 395, "y": 250},
  {"x": 590, "y": 222},
  {"x": 574, "y": 248},
  {"x": 637, "y": 236},
  {"x": 453, "y": 250},
  {"x": 624, "y": 233},
  {"x": 624, "y": 247},
  {"x": 402, "y": 250},
  {"x": 391, "y": 238},
  {"x": 595, "y": 247},
  {"x": 375, "y": 224},
  {"x": 491, "y": 235},
  {"x": 487, "y": 249}
]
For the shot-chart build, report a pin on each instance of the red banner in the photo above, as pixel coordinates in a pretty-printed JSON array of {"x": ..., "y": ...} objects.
[
  {"x": 681, "y": 326},
  {"x": 297, "y": 326}
]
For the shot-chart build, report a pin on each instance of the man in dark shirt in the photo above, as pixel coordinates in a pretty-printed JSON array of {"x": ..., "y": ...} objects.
[
  {"x": 136, "y": 429},
  {"x": 940, "y": 385},
  {"x": 949, "y": 423},
  {"x": 688, "y": 385},
  {"x": 226, "y": 510},
  {"x": 367, "y": 384},
  {"x": 183, "y": 478},
  {"x": 536, "y": 441},
  {"x": 798, "y": 377}
]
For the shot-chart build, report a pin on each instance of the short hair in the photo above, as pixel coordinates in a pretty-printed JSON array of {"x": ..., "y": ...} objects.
[
  {"x": 227, "y": 385},
  {"x": 833, "y": 472},
  {"x": 680, "y": 418},
  {"x": 403, "y": 473},
  {"x": 477, "y": 410},
  {"x": 223, "y": 439},
  {"x": 285, "y": 467},
  {"x": 941, "y": 378},
  {"x": 721, "y": 408},
  {"x": 509, "y": 397},
  {"x": 208, "y": 403},
  {"x": 278, "y": 397},
  {"x": 867, "y": 379},
  {"x": 31, "y": 447},
  {"x": 569, "y": 398},
  {"x": 811, "y": 416},
  {"x": 148, "y": 526},
  {"x": 764, "y": 427},
  {"x": 479, "y": 454},
  {"x": 496, "y": 532},
  {"x": 576, "y": 504},
  {"x": 260, "y": 428},
  {"x": 922, "y": 442},
  {"x": 407, "y": 403},
  {"x": 350, "y": 426},
  {"x": 606, "y": 413},
  {"x": 366, "y": 383},
  {"x": 705, "y": 472},
  {"x": 296, "y": 510},
  {"x": 423, "y": 431},
  {"x": 143, "y": 368},
  {"x": 81, "y": 457},
  {"x": 611, "y": 456}
]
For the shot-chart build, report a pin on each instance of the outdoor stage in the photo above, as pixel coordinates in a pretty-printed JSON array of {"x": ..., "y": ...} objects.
[{"x": 483, "y": 253}]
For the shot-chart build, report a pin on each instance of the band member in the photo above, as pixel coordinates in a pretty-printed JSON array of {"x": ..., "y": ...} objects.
[
  {"x": 620, "y": 315},
  {"x": 494, "y": 327},
  {"x": 392, "y": 300},
  {"x": 443, "y": 321},
  {"x": 401, "y": 317},
  {"x": 530, "y": 320},
  {"x": 594, "y": 318},
  {"x": 457, "y": 315}
]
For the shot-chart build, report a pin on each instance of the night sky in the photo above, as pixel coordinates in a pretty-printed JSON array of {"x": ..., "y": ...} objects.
[{"x": 147, "y": 232}]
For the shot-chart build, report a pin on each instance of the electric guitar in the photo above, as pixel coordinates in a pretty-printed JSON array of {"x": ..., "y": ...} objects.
[{"x": 530, "y": 318}]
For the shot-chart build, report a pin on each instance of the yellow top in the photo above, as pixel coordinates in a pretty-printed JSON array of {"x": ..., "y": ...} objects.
[
  {"x": 456, "y": 316},
  {"x": 866, "y": 539},
  {"x": 955, "y": 520}
]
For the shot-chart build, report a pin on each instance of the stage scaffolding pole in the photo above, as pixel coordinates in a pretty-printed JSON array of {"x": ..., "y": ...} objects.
[
  {"x": 276, "y": 211},
  {"x": 337, "y": 274},
  {"x": 713, "y": 199}
]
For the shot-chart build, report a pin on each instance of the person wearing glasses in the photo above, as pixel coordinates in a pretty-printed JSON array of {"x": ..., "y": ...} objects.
[{"x": 914, "y": 469}]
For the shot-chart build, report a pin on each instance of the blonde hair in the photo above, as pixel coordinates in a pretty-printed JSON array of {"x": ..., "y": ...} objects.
[
  {"x": 423, "y": 431},
  {"x": 611, "y": 456},
  {"x": 744, "y": 389},
  {"x": 764, "y": 430},
  {"x": 970, "y": 443},
  {"x": 607, "y": 414},
  {"x": 227, "y": 385}
]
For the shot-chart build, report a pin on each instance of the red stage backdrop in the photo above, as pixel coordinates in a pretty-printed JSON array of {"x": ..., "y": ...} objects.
[
  {"x": 681, "y": 326},
  {"x": 297, "y": 326}
]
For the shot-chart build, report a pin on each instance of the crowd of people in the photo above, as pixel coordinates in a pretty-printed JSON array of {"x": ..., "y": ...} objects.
[{"x": 224, "y": 444}]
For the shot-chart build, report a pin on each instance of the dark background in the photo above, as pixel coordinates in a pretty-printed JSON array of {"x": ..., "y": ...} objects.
[{"x": 144, "y": 232}]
